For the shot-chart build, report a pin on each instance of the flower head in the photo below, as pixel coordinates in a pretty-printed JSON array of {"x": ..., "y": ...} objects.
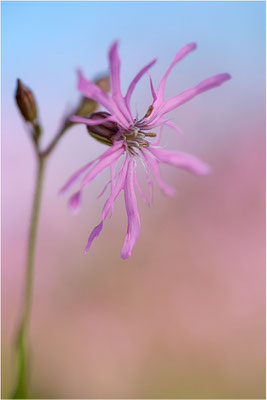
[{"x": 131, "y": 140}]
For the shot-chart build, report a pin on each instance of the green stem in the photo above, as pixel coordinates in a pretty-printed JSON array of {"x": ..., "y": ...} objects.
[{"x": 23, "y": 332}]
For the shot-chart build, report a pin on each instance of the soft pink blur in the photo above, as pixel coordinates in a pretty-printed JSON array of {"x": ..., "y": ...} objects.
[{"x": 184, "y": 317}]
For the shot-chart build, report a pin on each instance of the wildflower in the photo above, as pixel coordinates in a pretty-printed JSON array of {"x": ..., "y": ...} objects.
[{"x": 132, "y": 140}]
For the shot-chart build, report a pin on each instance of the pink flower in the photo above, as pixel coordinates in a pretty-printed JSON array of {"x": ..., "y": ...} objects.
[{"x": 132, "y": 140}]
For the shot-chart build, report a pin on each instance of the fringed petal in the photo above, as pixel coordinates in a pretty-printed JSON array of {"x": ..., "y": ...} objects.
[
  {"x": 114, "y": 63},
  {"x": 75, "y": 177},
  {"x": 180, "y": 160},
  {"x": 91, "y": 90},
  {"x": 178, "y": 57},
  {"x": 144, "y": 197},
  {"x": 91, "y": 122},
  {"x": 152, "y": 163},
  {"x": 134, "y": 225},
  {"x": 103, "y": 191},
  {"x": 75, "y": 202},
  {"x": 81, "y": 171},
  {"x": 109, "y": 203},
  {"x": 172, "y": 125},
  {"x": 101, "y": 165},
  {"x": 153, "y": 92},
  {"x": 112, "y": 181},
  {"x": 158, "y": 137},
  {"x": 95, "y": 232},
  {"x": 135, "y": 81},
  {"x": 150, "y": 186},
  {"x": 189, "y": 94}
]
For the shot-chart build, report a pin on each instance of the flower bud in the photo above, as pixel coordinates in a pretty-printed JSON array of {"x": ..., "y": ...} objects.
[
  {"x": 26, "y": 102},
  {"x": 86, "y": 107},
  {"x": 104, "y": 83},
  {"x": 105, "y": 132}
]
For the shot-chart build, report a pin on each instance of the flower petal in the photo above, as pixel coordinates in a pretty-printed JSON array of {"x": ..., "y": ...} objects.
[
  {"x": 112, "y": 180},
  {"x": 92, "y": 91},
  {"x": 102, "y": 164},
  {"x": 180, "y": 160},
  {"x": 103, "y": 191},
  {"x": 75, "y": 202},
  {"x": 109, "y": 203},
  {"x": 144, "y": 197},
  {"x": 134, "y": 225},
  {"x": 189, "y": 94},
  {"x": 152, "y": 163},
  {"x": 178, "y": 57},
  {"x": 158, "y": 137},
  {"x": 75, "y": 177},
  {"x": 91, "y": 122},
  {"x": 172, "y": 125},
  {"x": 114, "y": 64},
  {"x": 135, "y": 80},
  {"x": 153, "y": 92},
  {"x": 77, "y": 174},
  {"x": 161, "y": 123}
]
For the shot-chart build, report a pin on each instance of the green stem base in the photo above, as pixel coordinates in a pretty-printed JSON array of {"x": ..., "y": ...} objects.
[{"x": 21, "y": 390}]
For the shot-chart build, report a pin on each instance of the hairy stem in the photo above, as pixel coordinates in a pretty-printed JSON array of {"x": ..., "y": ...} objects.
[{"x": 23, "y": 332}]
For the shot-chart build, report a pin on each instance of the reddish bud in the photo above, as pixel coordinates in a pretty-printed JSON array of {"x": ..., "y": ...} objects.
[
  {"x": 26, "y": 102},
  {"x": 104, "y": 132}
]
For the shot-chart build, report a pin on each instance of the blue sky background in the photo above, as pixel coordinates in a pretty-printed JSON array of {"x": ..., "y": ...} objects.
[{"x": 43, "y": 43}]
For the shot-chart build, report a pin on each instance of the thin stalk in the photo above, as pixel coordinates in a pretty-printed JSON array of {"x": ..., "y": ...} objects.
[
  {"x": 45, "y": 153},
  {"x": 22, "y": 382},
  {"x": 23, "y": 332}
]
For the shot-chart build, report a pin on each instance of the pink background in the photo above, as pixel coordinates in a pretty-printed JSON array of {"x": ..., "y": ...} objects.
[{"x": 185, "y": 316}]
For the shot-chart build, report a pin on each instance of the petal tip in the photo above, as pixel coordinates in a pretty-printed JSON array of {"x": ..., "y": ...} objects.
[
  {"x": 75, "y": 202},
  {"x": 125, "y": 256},
  {"x": 224, "y": 77},
  {"x": 206, "y": 170},
  {"x": 172, "y": 193},
  {"x": 227, "y": 76},
  {"x": 78, "y": 71},
  {"x": 80, "y": 77},
  {"x": 114, "y": 46},
  {"x": 193, "y": 45}
]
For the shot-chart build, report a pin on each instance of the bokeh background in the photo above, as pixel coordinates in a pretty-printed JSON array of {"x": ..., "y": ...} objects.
[{"x": 185, "y": 316}]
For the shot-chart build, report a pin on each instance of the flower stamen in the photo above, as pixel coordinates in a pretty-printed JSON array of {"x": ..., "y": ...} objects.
[
  {"x": 149, "y": 111},
  {"x": 136, "y": 138},
  {"x": 150, "y": 134}
]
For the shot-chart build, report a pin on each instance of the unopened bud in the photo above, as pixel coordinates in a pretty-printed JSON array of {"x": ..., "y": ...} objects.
[
  {"x": 104, "y": 83},
  {"x": 105, "y": 132},
  {"x": 89, "y": 106},
  {"x": 26, "y": 102},
  {"x": 86, "y": 107}
]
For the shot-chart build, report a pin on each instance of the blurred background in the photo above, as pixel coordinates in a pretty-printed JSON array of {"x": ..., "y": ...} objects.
[{"x": 184, "y": 317}]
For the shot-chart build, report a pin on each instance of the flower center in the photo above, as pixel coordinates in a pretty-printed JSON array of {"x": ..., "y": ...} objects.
[{"x": 136, "y": 138}]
